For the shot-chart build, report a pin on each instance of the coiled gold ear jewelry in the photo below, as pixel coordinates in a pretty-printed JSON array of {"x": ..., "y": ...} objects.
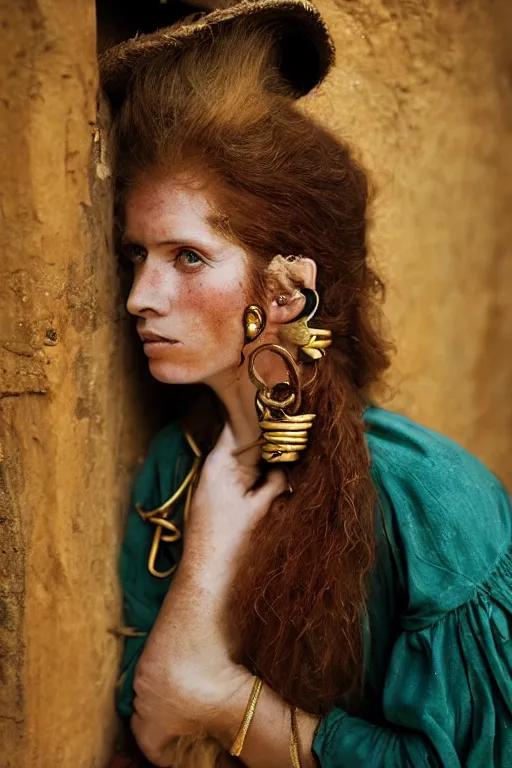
[
  {"x": 311, "y": 341},
  {"x": 284, "y": 430}
]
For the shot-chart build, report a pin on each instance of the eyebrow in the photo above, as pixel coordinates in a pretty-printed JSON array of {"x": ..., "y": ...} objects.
[
  {"x": 127, "y": 240},
  {"x": 176, "y": 241}
]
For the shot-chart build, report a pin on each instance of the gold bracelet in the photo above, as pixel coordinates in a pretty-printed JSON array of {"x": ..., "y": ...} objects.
[
  {"x": 249, "y": 712},
  {"x": 294, "y": 739}
]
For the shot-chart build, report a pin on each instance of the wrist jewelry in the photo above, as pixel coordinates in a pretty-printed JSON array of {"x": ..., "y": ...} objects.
[
  {"x": 294, "y": 739},
  {"x": 249, "y": 712}
]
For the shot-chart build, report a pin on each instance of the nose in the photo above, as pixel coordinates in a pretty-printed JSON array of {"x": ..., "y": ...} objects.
[{"x": 146, "y": 296}]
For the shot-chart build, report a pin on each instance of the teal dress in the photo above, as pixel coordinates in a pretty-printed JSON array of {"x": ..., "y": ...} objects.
[{"x": 438, "y": 630}]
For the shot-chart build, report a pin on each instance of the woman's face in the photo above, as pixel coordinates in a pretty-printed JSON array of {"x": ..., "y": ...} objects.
[{"x": 189, "y": 285}]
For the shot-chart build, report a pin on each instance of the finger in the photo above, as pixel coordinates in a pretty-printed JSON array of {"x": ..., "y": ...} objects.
[
  {"x": 221, "y": 453},
  {"x": 226, "y": 442},
  {"x": 149, "y": 739},
  {"x": 228, "y": 450},
  {"x": 243, "y": 468},
  {"x": 275, "y": 484}
]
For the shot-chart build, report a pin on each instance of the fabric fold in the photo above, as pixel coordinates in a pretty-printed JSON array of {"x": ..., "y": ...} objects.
[{"x": 447, "y": 696}]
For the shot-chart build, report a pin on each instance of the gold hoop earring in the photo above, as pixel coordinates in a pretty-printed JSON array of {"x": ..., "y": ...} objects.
[
  {"x": 284, "y": 430},
  {"x": 254, "y": 321},
  {"x": 311, "y": 341}
]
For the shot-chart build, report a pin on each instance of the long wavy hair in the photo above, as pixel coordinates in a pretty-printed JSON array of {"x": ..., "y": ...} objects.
[{"x": 284, "y": 184}]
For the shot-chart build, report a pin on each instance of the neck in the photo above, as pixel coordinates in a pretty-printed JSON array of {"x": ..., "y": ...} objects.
[{"x": 237, "y": 393}]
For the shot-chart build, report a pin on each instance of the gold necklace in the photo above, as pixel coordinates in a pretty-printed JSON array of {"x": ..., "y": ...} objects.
[{"x": 159, "y": 515}]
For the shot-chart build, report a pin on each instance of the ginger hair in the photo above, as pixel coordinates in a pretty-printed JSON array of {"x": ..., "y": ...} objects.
[{"x": 283, "y": 184}]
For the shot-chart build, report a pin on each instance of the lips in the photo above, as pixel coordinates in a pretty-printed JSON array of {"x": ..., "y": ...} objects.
[
  {"x": 156, "y": 346},
  {"x": 154, "y": 337}
]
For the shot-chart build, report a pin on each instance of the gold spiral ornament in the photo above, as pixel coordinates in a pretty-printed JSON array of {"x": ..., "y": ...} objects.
[
  {"x": 165, "y": 530},
  {"x": 284, "y": 430}
]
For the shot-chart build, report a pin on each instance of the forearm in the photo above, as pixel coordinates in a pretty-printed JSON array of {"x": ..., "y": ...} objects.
[
  {"x": 267, "y": 743},
  {"x": 204, "y": 686}
]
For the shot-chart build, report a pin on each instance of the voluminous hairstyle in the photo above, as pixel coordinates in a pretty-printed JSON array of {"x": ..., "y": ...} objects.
[{"x": 282, "y": 183}]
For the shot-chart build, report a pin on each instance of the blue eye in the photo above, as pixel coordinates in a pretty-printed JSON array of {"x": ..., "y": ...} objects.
[{"x": 189, "y": 258}]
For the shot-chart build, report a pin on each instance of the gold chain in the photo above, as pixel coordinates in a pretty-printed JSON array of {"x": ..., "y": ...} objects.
[{"x": 165, "y": 530}]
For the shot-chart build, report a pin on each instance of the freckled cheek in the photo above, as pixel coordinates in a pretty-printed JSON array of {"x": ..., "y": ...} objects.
[{"x": 216, "y": 315}]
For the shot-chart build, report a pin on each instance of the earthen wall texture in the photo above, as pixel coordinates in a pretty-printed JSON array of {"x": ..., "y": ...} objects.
[
  {"x": 423, "y": 89},
  {"x": 70, "y": 431}
]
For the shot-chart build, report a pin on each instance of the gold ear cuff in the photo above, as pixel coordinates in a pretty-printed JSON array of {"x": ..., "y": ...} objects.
[{"x": 311, "y": 341}]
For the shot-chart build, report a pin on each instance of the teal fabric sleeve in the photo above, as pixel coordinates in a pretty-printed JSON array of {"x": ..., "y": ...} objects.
[
  {"x": 447, "y": 696},
  {"x": 166, "y": 465}
]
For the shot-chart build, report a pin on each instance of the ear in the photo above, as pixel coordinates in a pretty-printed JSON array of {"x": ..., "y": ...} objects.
[{"x": 288, "y": 301}]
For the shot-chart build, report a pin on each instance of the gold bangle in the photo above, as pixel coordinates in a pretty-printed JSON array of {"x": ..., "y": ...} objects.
[
  {"x": 294, "y": 739},
  {"x": 249, "y": 712}
]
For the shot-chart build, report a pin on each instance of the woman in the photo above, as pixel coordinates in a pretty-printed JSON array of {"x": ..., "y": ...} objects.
[{"x": 364, "y": 580}]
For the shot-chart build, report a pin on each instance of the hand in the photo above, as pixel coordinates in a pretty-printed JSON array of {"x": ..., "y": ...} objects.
[
  {"x": 166, "y": 734},
  {"x": 185, "y": 675},
  {"x": 224, "y": 510}
]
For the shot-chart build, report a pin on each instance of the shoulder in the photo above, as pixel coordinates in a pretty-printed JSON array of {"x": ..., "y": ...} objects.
[
  {"x": 447, "y": 516},
  {"x": 414, "y": 456}
]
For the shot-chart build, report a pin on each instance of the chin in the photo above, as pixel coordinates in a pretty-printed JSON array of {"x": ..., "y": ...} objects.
[
  {"x": 169, "y": 373},
  {"x": 172, "y": 372}
]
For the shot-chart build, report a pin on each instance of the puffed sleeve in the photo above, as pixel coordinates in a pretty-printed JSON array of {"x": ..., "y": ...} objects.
[
  {"x": 167, "y": 461},
  {"x": 447, "y": 695}
]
